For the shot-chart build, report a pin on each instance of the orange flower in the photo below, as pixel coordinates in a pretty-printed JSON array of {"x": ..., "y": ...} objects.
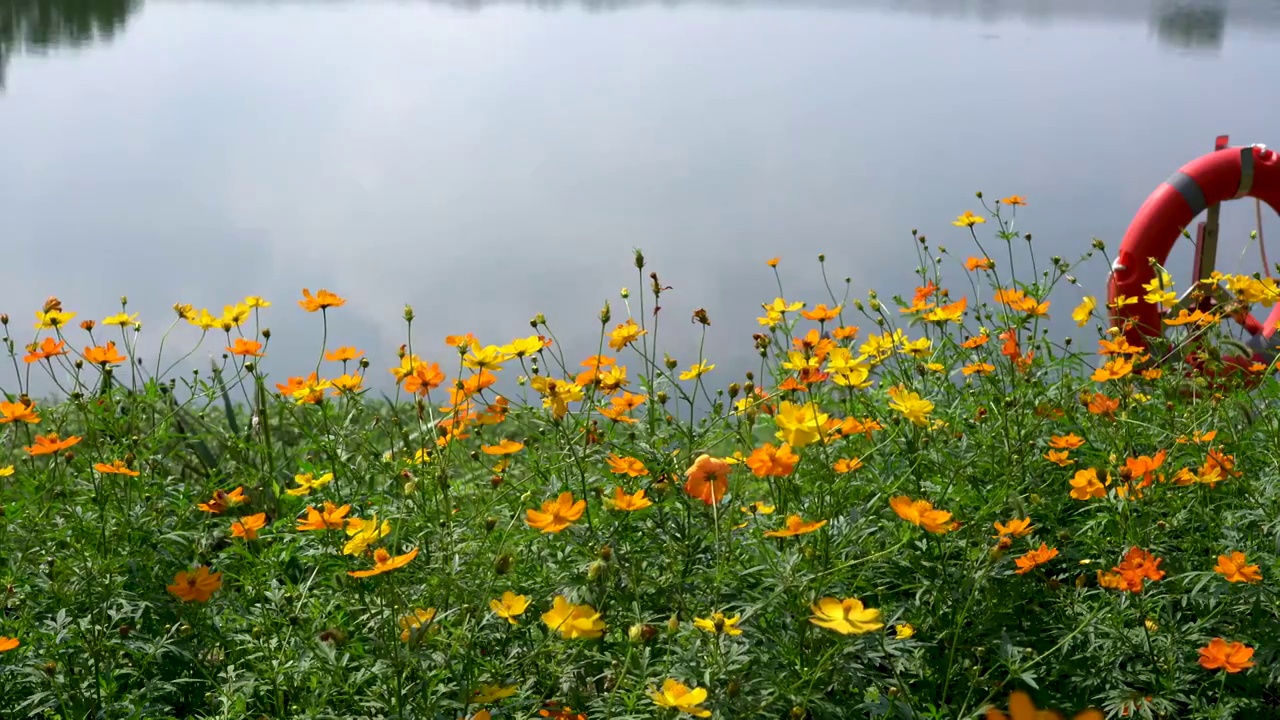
[
  {"x": 708, "y": 479},
  {"x": 978, "y": 263},
  {"x": 49, "y": 348},
  {"x": 1113, "y": 370},
  {"x": 249, "y": 348},
  {"x": 331, "y": 518},
  {"x": 1138, "y": 566},
  {"x": 556, "y": 515},
  {"x": 922, "y": 513},
  {"x": 1143, "y": 467},
  {"x": 1061, "y": 458},
  {"x": 248, "y": 526},
  {"x": 1014, "y": 200},
  {"x": 1234, "y": 568},
  {"x": 222, "y": 500},
  {"x": 621, "y": 500},
  {"x": 1035, "y": 558},
  {"x": 1086, "y": 485},
  {"x": 768, "y": 461},
  {"x": 795, "y": 526},
  {"x": 343, "y": 354},
  {"x": 116, "y": 467},
  {"x": 628, "y": 466},
  {"x": 1015, "y": 527},
  {"x": 1022, "y": 708},
  {"x": 50, "y": 444},
  {"x": 304, "y": 390},
  {"x": 506, "y": 447},
  {"x": 384, "y": 562},
  {"x": 976, "y": 341},
  {"x": 427, "y": 377},
  {"x": 8, "y": 643},
  {"x": 847, "y": 465},
  {"x": 1229, "y": 656},
  {"x": 104, "y": 355},
  {"x": 323, "y": 299},
  {"x": 978, "y": 369},
  {"x": 772, "y": 262},
  {"x": 18, "y": 412},
  {"x": 821, "y": 313},
  {"x": 1100, "y": 404},
  {"x": 196, "y": 586},
  {"x": 1119, "y": 346},
  {"x": 1070, "y": 441}
]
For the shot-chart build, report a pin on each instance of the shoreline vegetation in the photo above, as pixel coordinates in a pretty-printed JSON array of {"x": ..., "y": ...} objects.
[{"x": 910, "y": 508}]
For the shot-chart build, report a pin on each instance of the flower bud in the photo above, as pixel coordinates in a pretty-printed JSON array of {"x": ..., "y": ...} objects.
[
  {"x": 662, "y": 397},
  {"x": 673, "y": 623},
  {"x": 734, "y": 389},
  {"x": 625, "y": 293},
  {"x": 408, "y": 313},
  {"x": 596, "y": 569},
  {"x": 605, "y": 313},
  {"x": 490, "y": 523},
  {"x": 639, "y": 260},
  {"x": 669, "y": 361},
  {"x": 502, "y": 565}
]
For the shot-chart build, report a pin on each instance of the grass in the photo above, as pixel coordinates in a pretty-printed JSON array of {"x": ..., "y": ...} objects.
[{"x": 636, "y": 537}]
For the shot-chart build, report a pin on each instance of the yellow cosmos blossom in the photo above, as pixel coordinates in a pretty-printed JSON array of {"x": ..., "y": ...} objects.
[
  {"x": 364, "y": 533},
  {"x": 697, "y": 370},
  {"x": 781, "y": 306},
  {"x": 1084, "y": 310},
  {"x": 799, "y": 425},
  {"x": 625, "y": 334},
  {"x": 968, "y": 219},
  {"x": 847, "y": 617},
  {"x": 490, "y": 357},
  {"x": 524, "y": 347},
  {"x": 486, "y": 694},
  {"x": 308, "y": 482},
  {"x": 413, "y": 624},
  {"x": 678, "y": 696},
  {"x": 910, "y": 404},
  {"x": 509, "y": 607},
  {"x": 719, "y": 623},
  {"x": 573, "y": 622},
  {"x": 121, "y": 319}
]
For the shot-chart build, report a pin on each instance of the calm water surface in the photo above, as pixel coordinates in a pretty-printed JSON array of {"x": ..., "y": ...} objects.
[{"x": 488, "y": 160}]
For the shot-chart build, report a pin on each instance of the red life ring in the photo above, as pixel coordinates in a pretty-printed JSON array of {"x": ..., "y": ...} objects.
[{"x": 1226, "y": 174}]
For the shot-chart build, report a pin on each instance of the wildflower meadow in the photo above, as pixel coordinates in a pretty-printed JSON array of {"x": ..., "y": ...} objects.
[{"x": 922, "y": 507}]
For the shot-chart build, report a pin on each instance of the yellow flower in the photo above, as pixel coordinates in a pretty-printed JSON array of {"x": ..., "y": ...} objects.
[
  {"x": 524, "y": 347},
  {"x": 412, "y": 624},
  {"x": 904, "y": 631},
  {"x": 697, "y": 370},
  {"x": 799, "y": 425},
  {"x": 718, "y": 623},
  {"x": 968, "y": 219},
  {"x": 307, "y": 482},
  {"x": 678, "y": 696},
  {"x": 254, "y": 301},
  {"x": 510, "y": 606},
  {"x": 573, "y": 622},
  {"x": 490, "y": 357},
  {"x": 364, "y": 533},
  {"x": 486, "y": 694},
  {"x": 1084, "y": 310},
  {"x": 781, "y": 306},
  {"x": 625, "y": 334},
  {"x": 52, "y": 319},
  {"x": 6, "y": 471},
  {"x": 121, "y": 319},
  {"x": 847, "y": 617},
  {"x": 910, "y": 405}
]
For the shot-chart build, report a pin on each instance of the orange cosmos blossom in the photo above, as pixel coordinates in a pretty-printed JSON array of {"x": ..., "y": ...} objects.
[
  {"x": 708, "y": 479},
  {"x": 1235, "y": 568},
  {"x": 1232, "y": 657},
  {"x": 556, "y": 515},
  {"x": 506, "y": 447},
  {"x": 1070, "y": 441},
  {"x": 1035, "y": 558},
  {"x": 383, "y": 562},
  {"x": 923, "y": 514},
  {"x": 795, "y": 526},
  {"x": 1061, "y": 458},
  {"x": 222, "y": 500},
  {"x": 628, "y": 466},
  {"x": 104, "y": 355},
  {"x": 1137, "y": 567},
  {"x": 8, "y": 643},
  {"x": 195, "y": 586},
  {"x": 50, "y": 444},
  {"x": 115, "y": 467},
  {"x": 49, "y": 348},
  {"x": 1014, "y": 200},
  {"x": 821, "y": 313},
  {"x": 343, "y": 354},
  {"x": 331, "y": 518},
  {"x": 1015, "y": 527},
  {"x": 322, "y": 300},
  {"x": 24, "y": 411},
  {"x": 245, "y": 348},
  {"x": 625, "y": 502},
  {"x": 773, "y": 262},
  {"x": 770, "y": 461},
  {"x": 248, "y": 526},
  {"x": 1022, "y": 708}
]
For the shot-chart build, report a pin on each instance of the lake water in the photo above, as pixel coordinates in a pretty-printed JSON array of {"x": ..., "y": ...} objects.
[{"x": 488, "y": 160}]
